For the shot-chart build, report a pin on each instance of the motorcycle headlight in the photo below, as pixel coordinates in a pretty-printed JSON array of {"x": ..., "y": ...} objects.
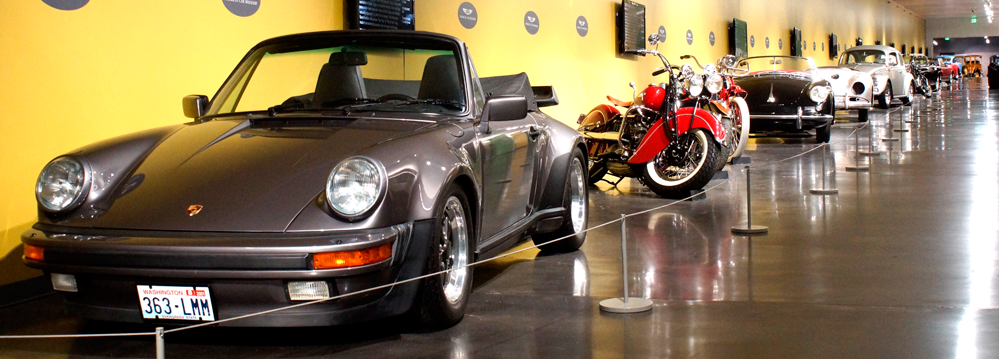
[
  {"x": 819, "y": 93},
  {"x": 355, "y": 186},
  {"x": 714, "y": 83},
  {"x": 686, "y": 71},
  {"x": 710, "y": 70},
  {"x": 696, "y": 85},
  {"x": 63, "y": 184}
]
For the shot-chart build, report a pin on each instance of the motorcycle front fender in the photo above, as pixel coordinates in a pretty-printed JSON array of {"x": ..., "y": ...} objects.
[{"x": 656, "y": 140}]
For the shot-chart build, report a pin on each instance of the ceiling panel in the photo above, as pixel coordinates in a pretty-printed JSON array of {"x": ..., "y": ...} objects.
[{"x": 944, "y": 8}]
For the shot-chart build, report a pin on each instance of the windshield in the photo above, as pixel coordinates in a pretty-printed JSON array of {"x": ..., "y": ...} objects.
[
  {"x": 920, "y": 60},
  {"x": 357, "y": 75},
  {"x": 863, "y": 57},
  {"x": 769, "y": 64}
]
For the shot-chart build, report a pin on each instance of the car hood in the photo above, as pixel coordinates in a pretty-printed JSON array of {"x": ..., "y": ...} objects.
[
  {"x": 840, "y": 78},
  {"x": 786, "y": 88},
  {"x": 246, "y": 176}
]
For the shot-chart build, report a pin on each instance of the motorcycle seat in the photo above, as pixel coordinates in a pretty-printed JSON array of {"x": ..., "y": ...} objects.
[{"x": 620, "y": 103}]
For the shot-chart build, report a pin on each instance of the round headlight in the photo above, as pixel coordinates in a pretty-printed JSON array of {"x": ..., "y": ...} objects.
[
  {"x": 62, "y": 185},
  {"x": 686, "y": 71},
  {"x": 696, "y": 85},
  {"x": 710, "y": 70},
  {"x": 714, "y": 83},
  {"x": 819, "y": 93},
  {"x": 355, "y": 186}
]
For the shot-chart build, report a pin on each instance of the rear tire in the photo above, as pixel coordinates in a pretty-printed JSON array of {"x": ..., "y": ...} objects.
[
  {"x": 669, "y": 180},
  {"x": 596, "y": 172},
  {"x": 907, "y": 99},
  {"x": 441, "y": 299},
  {"x": 576, "y": 202}
]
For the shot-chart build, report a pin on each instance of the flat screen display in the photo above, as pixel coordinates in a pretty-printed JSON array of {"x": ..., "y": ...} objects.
[
  {"x": 631, "y": 27},
  {"x": 796, "y": 46},
  {"x": 833, "y": 47},
  {"x": 738, "y": 38},
  {"x": 380, "y": 14}
]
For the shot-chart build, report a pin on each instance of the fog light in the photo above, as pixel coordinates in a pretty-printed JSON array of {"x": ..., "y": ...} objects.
[
  {"x": 308, "y": 290},
  {"x": 64, "y": 282}
]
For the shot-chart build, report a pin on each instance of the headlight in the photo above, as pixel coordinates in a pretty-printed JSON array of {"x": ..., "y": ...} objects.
[
  {"x": 710, "y": 70},
  {"x": 355, "y": 186},
  {"x": 686, "y": 71},
  {"x": 62, "y": 185},
  {"x": 696, "y": 85},
  {"x": 714, "y": 83},
  {"x": 819, "y": 93}
]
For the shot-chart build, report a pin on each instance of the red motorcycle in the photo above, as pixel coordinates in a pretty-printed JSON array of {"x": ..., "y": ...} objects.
[
  {"x": 664, "y": 138},
  {"x": 727, "y": 100}
]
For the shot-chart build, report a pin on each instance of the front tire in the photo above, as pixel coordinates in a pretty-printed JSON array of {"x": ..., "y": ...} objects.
[
  {"x": 441, "y": 300},
  {"x": 822, "y": 134},
  {"x": 863, "y": 115},
  {"x": 576, "y": 203},
  {"x": 884, "y": 100},
  {"x": 740, "y": 127},
  {"x": 674, "y": 175}
]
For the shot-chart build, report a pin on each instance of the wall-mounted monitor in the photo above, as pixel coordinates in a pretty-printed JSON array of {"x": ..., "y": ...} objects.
[
  {"x": 380, "y": 14},
  {"x": 796, "y": 49},
  {"x": 738, "y": 38},
  {"x": 903, "y": 49},
  {"x": 631, "y": 27},
  {"x": 860, "y": 41},
  {"x": 833, "y": 47}
]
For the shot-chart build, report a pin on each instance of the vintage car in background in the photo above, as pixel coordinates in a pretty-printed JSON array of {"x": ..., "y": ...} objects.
[
  {"x": 956, "y": 64},
  {"x": 935, "y": 74},
  {"x": 851, "y": 89},
  {"x": 327, "y": 164},
  {"x": 973, "y": 65},
  {"x": 993, "y": 72},
  {"x": 892, "y": 81},
  {"x": 786, "y": 93}
]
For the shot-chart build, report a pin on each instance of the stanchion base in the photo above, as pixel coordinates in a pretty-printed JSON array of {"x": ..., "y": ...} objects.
[
  {"x": 903, "y": 130},
  {"x": 755, "y": 229},
  {"x": 720, "y": 175},
  {"x": 866, "y": 153},
  {"x": 857, "y": 168},
  {"x": 617, "y": 305},
  {"x": 823, "y": 191},
  {"x": 889, "y": 139},
  {"x": 742, "y": 160},
  {"x": 911, "y": 121}
]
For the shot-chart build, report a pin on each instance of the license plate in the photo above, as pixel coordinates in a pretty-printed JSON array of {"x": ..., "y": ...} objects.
[{"x": 178, "y": 303}]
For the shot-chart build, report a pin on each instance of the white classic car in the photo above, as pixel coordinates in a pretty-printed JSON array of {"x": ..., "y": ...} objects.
[
  {"x": 852, "y": 89},
  {"x": 891, "y": 79}
]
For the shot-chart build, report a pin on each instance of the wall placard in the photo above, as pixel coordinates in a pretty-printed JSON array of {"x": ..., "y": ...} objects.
[
  {"x": 66, "y": 4},
  {"x": 467, "y": 15},
  {"x": 242, "y": 8},
  {"x": 582, "y": 26},
  {"x": 531, "y": 22}
]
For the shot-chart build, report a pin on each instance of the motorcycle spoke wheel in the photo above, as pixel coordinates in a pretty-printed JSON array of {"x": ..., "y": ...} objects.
[{"x": 673, "y": 171}]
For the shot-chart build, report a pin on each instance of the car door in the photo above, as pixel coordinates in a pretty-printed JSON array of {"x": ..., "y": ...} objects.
[
  {"x": 896, "y": 74},
  {"x": 508, "y": 164}
]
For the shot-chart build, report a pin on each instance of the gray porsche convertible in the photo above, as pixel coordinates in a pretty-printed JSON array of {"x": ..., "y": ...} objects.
[{"x": 327, "y": 164}]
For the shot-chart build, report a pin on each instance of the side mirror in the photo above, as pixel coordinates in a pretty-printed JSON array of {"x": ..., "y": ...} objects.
[
  {"x": 195, "y": 106},
  {"x": 502, "y": 108},
  {"x": 545, "y": 95}
]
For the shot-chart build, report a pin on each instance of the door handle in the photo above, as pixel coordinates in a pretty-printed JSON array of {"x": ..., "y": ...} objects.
[{"x": 533, "y": 133}]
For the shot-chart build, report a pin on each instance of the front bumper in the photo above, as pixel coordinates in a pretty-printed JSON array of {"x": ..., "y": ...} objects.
[
  {"x": 803, "y": 119},
  {"x": 852, "y": 102},
  {"x": 245, "y": 273}
]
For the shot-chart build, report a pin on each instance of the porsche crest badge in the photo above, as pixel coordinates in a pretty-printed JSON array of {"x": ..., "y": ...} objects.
[{"x": 194, "y": 209}]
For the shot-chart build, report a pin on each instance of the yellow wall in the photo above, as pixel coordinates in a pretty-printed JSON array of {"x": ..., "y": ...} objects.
[{"x": 112, "y": 67}]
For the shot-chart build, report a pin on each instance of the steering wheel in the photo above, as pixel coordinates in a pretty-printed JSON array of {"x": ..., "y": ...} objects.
[{"x": 396, "y": 96}]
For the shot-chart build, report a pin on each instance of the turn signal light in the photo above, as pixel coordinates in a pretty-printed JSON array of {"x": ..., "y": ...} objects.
[
  {"x": 34, "y": 253},
  {"x": 353, "y": 258}
]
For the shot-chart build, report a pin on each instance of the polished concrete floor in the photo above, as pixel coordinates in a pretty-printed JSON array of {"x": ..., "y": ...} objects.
[{"x": 902, "y": 263}]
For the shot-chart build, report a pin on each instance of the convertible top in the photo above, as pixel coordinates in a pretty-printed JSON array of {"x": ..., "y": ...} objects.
[{"x": 517, "y": 84}]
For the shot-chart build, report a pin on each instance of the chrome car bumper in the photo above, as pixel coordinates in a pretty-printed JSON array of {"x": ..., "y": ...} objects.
[{"x": 852, "y": 103}]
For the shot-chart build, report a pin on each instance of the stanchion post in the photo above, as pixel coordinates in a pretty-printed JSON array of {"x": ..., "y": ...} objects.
[
  {"x": 624, "y": 304},
  {"x": 856, "y": 155},
  {"x": 870, "y": 143},
  {"x": 824, "y": 190},
  {"x": 160, "y": 350},
  {"x": 749, "y": 228}
]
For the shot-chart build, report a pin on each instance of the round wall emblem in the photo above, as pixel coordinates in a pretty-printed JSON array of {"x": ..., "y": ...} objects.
[
  {"x": 711, "y": 38},
  {"x": 690, "y": 37},
  {"x": 752, "y": 41},
  {"x": 780, "y": 43},
  {"x": 813, "y": 46},
  {"x": 467, "y": 15},
  {"x": 66, "y": 4},
  {"x": 531, "y": 22},
  {"x": 242, "y": 8},
  {"x": 582, "y": 27},
  {"x": 767, "y": 42},
  {"x": 662, "y": 33}
]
